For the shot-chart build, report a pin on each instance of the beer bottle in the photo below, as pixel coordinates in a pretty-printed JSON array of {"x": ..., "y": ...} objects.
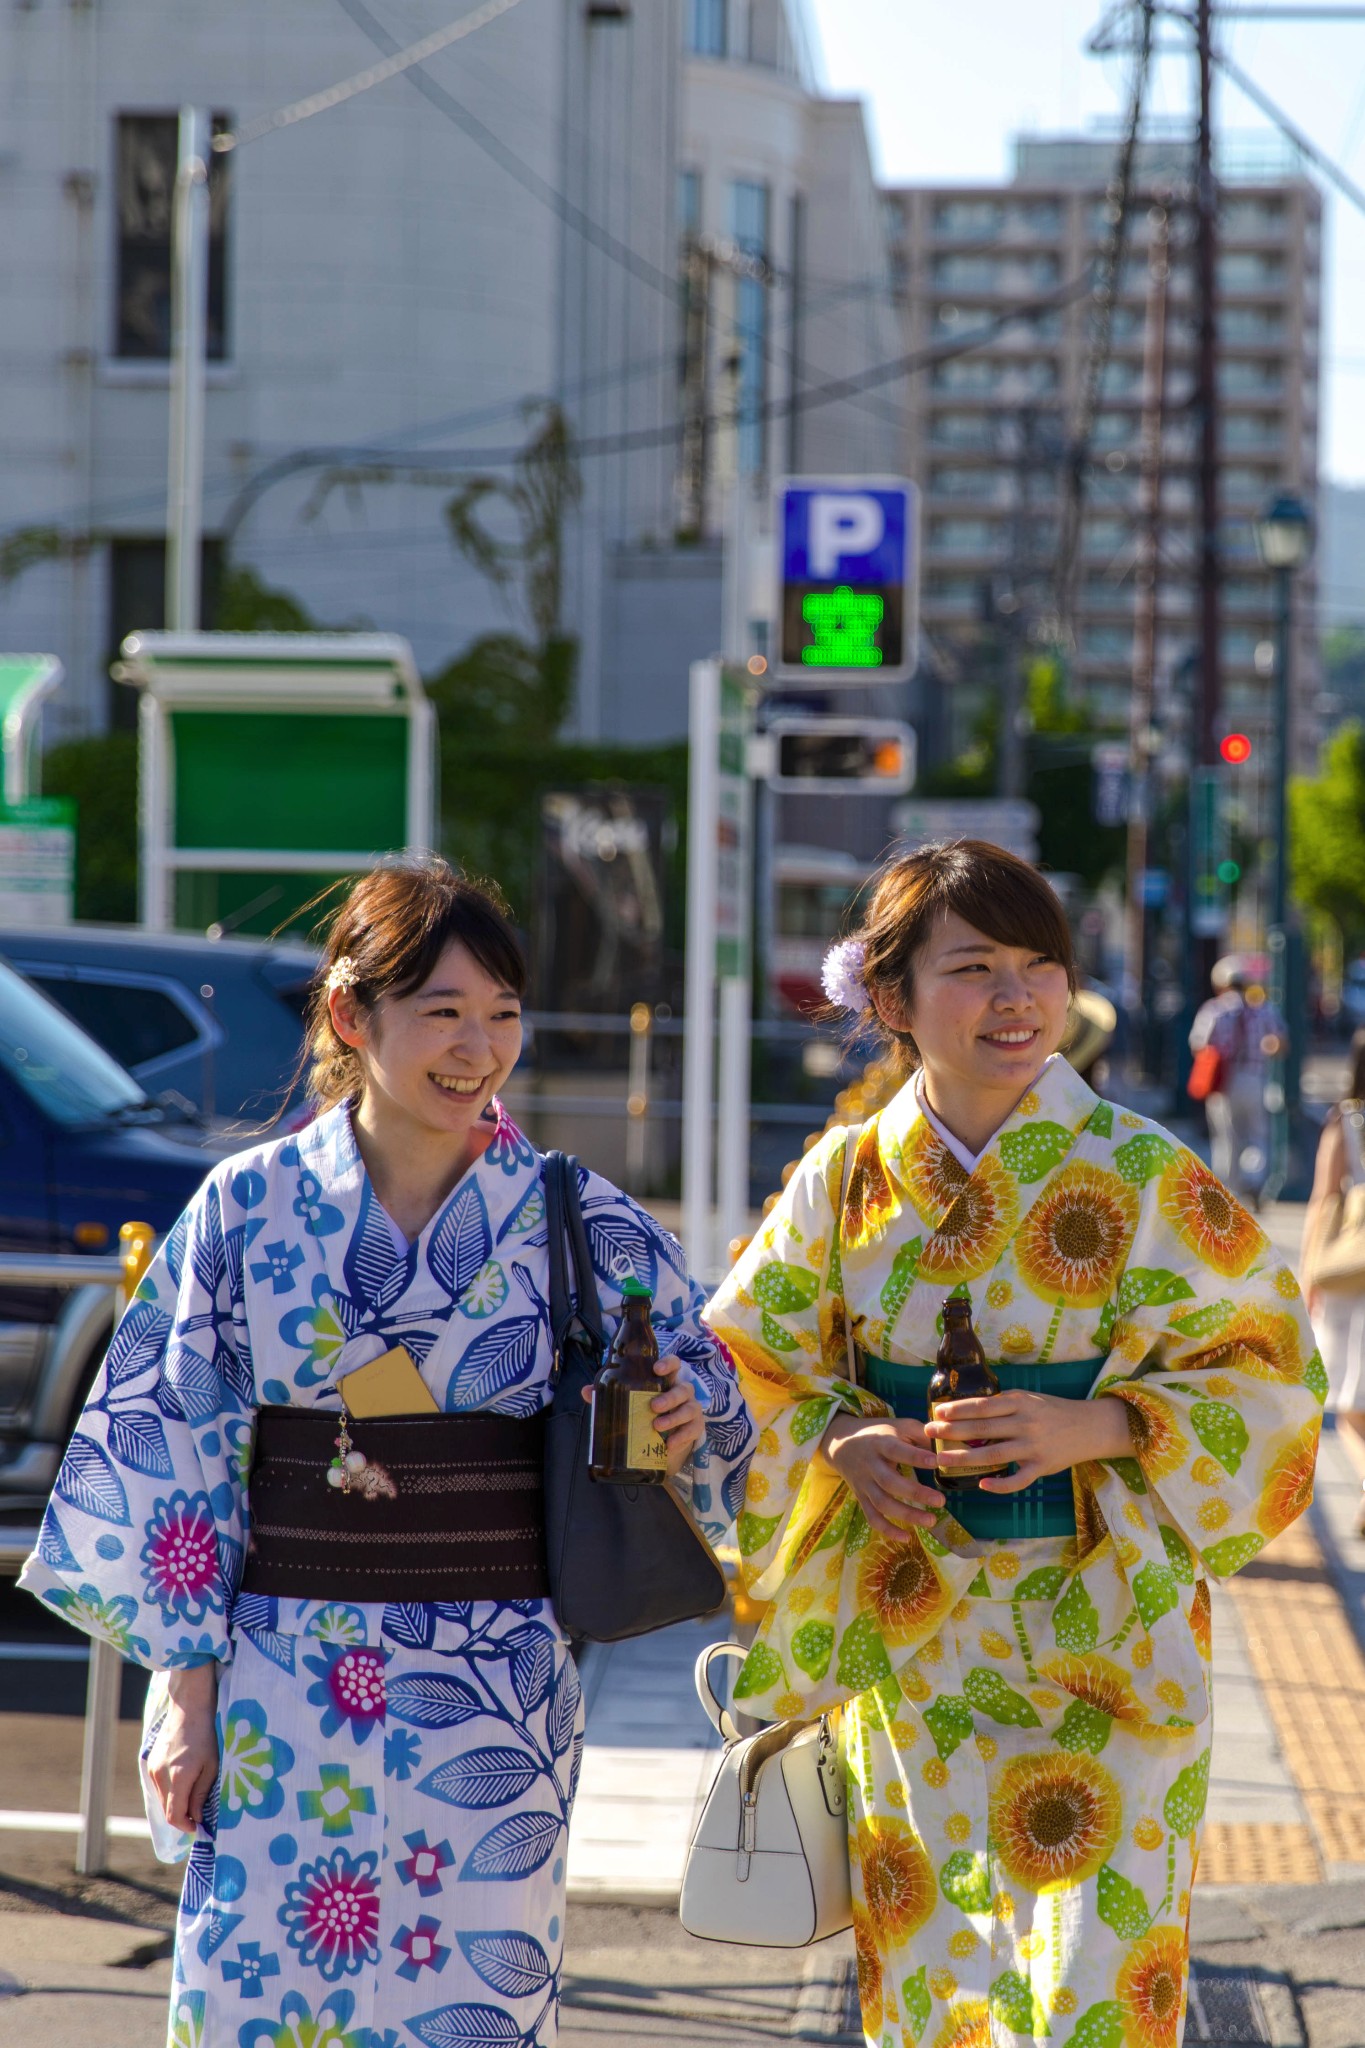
[
  {"x": 962, "y": 1374},
  {"x": 624, "y": 1446}
]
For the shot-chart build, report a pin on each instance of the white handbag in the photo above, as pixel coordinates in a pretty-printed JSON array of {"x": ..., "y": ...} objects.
[{"x": 768, "y": 1863}]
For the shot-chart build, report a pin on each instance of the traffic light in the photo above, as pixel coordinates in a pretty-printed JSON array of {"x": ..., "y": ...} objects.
[
  {"x": 834, "y": 756},
  {"x": 1235, "y": 748}
]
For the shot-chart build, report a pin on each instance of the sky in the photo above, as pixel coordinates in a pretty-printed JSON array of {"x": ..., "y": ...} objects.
[{"x": 947, "y": 87}]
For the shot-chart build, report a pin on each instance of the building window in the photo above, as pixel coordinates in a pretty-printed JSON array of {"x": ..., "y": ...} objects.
[
  {"x": 967, "y": 219},
  {"x": 689, "y": 202},
  {"x": 137, "y": 603},
  {"x": 706, "y": 28},
  {"x": 750, "y": 231},
  {"x": 146, "y": 148}
]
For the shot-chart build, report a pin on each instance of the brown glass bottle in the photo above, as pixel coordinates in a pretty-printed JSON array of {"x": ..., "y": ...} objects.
[
  {"x": 624, "y": 1447},
  {"x": 961, "y": 1374}
]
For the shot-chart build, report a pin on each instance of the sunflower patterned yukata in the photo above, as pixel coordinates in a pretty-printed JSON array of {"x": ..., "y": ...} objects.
[
  {"x": 381, "y": 1863},
  {"x": 1027, "y": 1723}
]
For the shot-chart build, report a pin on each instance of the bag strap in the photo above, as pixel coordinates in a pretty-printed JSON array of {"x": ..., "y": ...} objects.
[
  {"x": 564, "y": 1229},
  {"x": 851, "y": 1137},
  {"x": 1352, "y": 1131}
]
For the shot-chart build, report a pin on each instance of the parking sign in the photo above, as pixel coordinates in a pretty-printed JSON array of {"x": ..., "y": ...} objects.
[{"x": 847, "y": 575}]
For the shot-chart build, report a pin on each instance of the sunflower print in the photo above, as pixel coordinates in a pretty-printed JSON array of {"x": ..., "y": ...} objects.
[
  {"x": 1210, "y": 1221},
  {"x": 1028, "y": 1732},
  {"x": 1076, "y": 1237},
  {"x": 1054, "y": 1819},
  {"x": 976, "y": 1229},
  {"x": 899, "y": 1885},
  {"x": 870, "y": 1202},
  {"x": 1151, "y": 1989}
]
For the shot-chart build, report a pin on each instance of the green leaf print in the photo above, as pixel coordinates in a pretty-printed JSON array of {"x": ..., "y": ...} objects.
[
  {"x": 863, "y": 1661},
  {"x": 1130, "y": 1472},
  {"x": 1203, "y": 1322},
  {"x": 786, "y": 1290},
  {"x": 901, "y": 1278},
  {"x": 859, "y": 1531},
  {"x": 1035, "y": 1150},
  {"x": 1044, "y": 1584},
  {"x": 1104, "y": 1329},
  {"x": 810, "y": 1418},
  {"x": 949, "y": 1721},
  {"x": 1177, "y": 1554},
  {"x": 1155, "y": 1592},
  {"x": 1102, "y": 1120},
  {"x": 1315, "y": 1378},
  {"x": 1141, "y": 1158},
  {"x": 812, "y": 1647},
  {"x": 775, "y": 1335},
  {"x": 1083, "y": 1727},
  {"x": 917, "y": 2002},
  {"x": 1151, "y": 1286},
  {"x": 1122, "y": 1906},
  {"x": 980, "y": 1588},
  {"x": 1227, "y": 1557},
  {"x": 1075, "y": 1622},
  {"x": 1100, "y": 2027},
  {"x": 1222, "y": 1432},
  {"x": 989, "y": 1694},
  {"x": 1185, "y": 1802},
  {"x": 838, "y": 1526},
  {"x": 963, "y": 1881},
  {"x": 754, "y": 1531},
  {"x": 1014, "y": 2003},
  {"x": 761, "y": 1671}
]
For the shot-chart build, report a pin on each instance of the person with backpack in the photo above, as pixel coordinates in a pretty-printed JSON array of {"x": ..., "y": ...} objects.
[{"x": 1233, "y": 1038}]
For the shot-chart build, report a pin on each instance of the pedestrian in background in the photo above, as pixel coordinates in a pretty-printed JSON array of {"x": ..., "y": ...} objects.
[
  {"x": 375, "y": 1723},
  {"x": 1022, "y": 1670},
  {"x": 1338, "y": 1310},
  {"x": 1233, "y": 1037}
]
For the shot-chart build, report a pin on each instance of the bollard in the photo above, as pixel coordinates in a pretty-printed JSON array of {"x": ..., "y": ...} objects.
[{"x": 102, "y": 1687}]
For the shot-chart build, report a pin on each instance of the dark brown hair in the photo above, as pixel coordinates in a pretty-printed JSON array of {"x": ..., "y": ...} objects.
[
  {"x": 994, "y": 891},
  {"x": 393, "y": 927},
  {"x": 1355, "y": 1091}
]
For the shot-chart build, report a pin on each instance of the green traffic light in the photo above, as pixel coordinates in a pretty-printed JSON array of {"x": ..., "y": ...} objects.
[{"x": 1229, "y": 872}]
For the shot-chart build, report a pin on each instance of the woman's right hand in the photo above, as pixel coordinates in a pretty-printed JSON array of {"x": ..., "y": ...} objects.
[
  {"x": 871, "y": 1457},
  {"x": 183, "y": 1763}
]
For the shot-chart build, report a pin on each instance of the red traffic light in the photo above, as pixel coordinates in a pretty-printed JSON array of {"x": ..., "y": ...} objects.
[{"x": 1235, "y": 747}]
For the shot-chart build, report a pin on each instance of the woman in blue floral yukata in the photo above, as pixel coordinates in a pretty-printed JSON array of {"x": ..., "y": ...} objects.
[{"x": 379, "y": 1789}]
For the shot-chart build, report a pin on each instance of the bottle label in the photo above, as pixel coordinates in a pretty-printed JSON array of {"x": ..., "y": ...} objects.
[
  {"x": 646, "y": 1450},
  {"x": 980, "y": 1468}
]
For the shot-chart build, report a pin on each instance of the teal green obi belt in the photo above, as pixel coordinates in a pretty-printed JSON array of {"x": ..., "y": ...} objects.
[{"x": 1045, "y": 1508}]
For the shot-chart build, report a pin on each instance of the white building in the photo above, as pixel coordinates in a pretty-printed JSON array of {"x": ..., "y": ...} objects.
[{"x": 393, "y": 281}]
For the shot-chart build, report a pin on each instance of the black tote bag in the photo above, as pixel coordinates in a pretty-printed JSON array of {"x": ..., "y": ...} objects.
[{"x": 623, "y": 1559}]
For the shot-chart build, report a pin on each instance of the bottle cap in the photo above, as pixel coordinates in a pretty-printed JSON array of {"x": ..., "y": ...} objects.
[{"x": 634, "y": 1288}]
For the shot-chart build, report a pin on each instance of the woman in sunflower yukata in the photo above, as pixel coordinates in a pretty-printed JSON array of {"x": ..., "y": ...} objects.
[
  {"x": 379, "y": 1790},
  {"x": 1026, "y": 1710}
]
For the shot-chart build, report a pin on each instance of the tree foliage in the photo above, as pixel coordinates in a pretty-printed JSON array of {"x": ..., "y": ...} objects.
[
  {"x": 101, "y": 774},
  {"x": 1327, "y": 835}
]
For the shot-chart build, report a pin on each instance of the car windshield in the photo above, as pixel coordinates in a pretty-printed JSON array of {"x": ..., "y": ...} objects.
[{"x": 68, "y": 1076}]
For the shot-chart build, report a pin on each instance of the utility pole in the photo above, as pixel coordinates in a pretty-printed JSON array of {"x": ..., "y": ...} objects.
[
  {"x": 1204, "y": 946},
  {"x": 189, "y": 335}
]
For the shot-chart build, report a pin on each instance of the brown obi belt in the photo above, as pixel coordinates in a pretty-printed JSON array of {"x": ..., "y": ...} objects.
[{"x": 446, "y": 1507}]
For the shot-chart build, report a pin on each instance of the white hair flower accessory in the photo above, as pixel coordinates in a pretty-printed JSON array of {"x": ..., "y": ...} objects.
[
  {"x": 842, "y": 975},
  {"x": 342, "y": 974}
]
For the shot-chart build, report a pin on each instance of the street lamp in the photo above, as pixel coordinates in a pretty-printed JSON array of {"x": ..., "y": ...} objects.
[{"x": 1284, "y": 542}]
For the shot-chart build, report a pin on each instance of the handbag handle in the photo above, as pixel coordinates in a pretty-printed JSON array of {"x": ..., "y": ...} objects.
[
  {"x": 852, "y": 1134},
  {"x": 564, "y": 1223},
  {"x": 715, "y": 1709}
]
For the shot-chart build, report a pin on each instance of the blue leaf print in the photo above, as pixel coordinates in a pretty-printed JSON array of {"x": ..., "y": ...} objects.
[
  {"x": 531, "y": 1650},
  {"x": 462, "y": 1243},
  {"x": 479, "y": 1778},
  {"x": 575, "y": 1769},
  {"x": 458, "y": 1611},
  {"x": 137, "y": 1440},
  {"x": 196, "y": 1385},
  {"x": 255, "y": 1612},
  {"x": 620, "y": 1247},
  {"x": 515, "y": 1847},
  {"x": 53, "y": 1547},
  {"x": 432, "y": 1699},
  {"x": 88, "y": 1481},
  {"x": 413, "y": 1625},
  {"x": 278, "y": 1648},
  {"x": 138, "y": 1344},
  {"x": 559, "y": 1723},
  {"x": 522, "y": 1400},
  {"x": 495, "y": 1358},
  {"x": 466, "y": 2026},
  {"x": 175, "y": 1247},
  {"x": 732, "y": 1491},
  {"x": 729, "y": 1436},
  {"x": 529, "y": 1212},
  {"x": 513, "y": 1963},
  {"x": 376, "y": 1274}
]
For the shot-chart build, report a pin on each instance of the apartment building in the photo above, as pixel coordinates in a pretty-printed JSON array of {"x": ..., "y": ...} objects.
[{"x": 988, "y": 438}]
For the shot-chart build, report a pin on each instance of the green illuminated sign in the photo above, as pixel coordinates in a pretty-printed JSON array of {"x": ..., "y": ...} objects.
[{"x": 845, "y": 625}]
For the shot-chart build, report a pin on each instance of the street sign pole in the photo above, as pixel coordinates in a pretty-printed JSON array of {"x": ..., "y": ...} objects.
[
  {"x": 699, "y": 1039},
  {"x": 189, "y": 325}
]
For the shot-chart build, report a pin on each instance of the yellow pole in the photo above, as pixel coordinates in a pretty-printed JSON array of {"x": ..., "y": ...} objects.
[{"x": 135, "y": 1241}]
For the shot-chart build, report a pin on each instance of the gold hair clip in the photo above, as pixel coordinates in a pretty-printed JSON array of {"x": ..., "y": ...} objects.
[{"x": 342, "y": 974}]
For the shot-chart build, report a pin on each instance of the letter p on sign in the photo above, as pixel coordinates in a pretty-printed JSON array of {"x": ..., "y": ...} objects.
[{"x": 846, "y": 524}]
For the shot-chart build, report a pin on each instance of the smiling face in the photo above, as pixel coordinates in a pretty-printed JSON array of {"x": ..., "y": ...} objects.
[
  {"x": 984, "y": 1016},
  {"x": 434, "y": 1059}
]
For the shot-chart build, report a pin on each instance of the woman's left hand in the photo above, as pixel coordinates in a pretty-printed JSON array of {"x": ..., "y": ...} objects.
[
  {"x": 1040, "y": 1433},
  {"x": 678, "y": 1414}
]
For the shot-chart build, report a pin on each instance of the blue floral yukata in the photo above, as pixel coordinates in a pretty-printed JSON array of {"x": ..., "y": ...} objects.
[{"x": 382, "y": 1860}]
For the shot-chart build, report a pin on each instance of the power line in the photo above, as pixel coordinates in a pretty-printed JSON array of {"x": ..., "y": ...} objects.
[{"x": 350, "y": 88}]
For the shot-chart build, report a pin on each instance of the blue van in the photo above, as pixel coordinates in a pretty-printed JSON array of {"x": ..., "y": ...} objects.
[{"x": 83, "y": 1150}]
